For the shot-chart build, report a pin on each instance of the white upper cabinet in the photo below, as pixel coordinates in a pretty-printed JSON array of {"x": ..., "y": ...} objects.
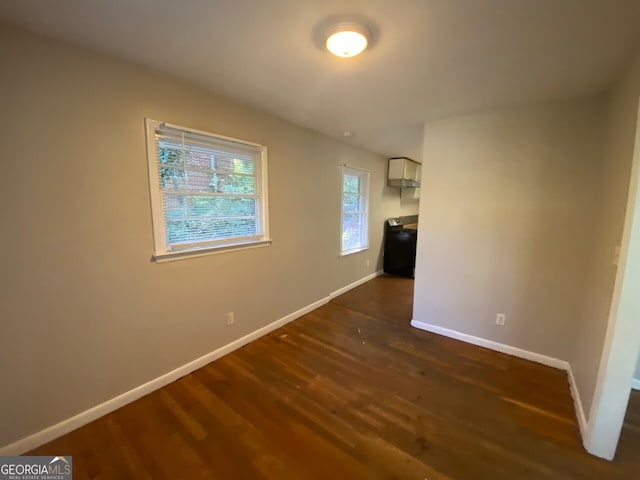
[{"x": 404, "y": 172}]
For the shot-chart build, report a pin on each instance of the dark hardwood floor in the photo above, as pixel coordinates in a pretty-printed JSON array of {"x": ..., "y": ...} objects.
[
  {"x": 351, "y": 391},
  {"x": 628, "y": 454}
]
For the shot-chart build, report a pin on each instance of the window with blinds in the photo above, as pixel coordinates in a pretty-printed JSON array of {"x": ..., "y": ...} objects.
[
  {"x": 208, "y": 192},
  {"x": 354, "y": 231}
]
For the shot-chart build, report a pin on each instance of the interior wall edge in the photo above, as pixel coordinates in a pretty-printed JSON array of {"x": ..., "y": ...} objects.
[{"x": 622, "y": 342}]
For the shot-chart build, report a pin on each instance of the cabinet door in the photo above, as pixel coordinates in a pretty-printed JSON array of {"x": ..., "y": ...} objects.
[
  {"x": 396, "y": 168},
  {"x": 410, "y": 170}
]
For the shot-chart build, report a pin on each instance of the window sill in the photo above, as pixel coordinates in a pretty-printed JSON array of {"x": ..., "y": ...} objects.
[
  {"x": 200, "y": 252},
  {"x": 352, "y": 251}
]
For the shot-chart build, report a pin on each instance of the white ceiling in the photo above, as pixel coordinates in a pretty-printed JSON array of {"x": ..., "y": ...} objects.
[{"x": 430, "y": 58}]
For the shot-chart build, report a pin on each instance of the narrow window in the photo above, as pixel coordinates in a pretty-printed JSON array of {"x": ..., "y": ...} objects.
[
  {"x": 208, "y": 192},
  {"x": 354, "y": 231}
]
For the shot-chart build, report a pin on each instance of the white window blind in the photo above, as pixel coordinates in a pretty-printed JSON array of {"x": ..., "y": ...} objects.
[
  {"x": 354, "y": 231},
  {"x": 208, "y": 192}
]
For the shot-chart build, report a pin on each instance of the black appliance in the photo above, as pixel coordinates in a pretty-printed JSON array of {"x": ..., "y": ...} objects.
[{"x": 401, "y": 234}]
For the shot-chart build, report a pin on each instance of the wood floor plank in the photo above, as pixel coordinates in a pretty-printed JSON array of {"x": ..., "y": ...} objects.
[{"x": 350, "y": 390}]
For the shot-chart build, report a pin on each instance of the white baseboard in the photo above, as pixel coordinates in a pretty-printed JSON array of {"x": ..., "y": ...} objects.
[
  {"x": 355, "y": 284},
  {"x": 516, "y": 352},
  {"x": 577, "y": 402},
  {"x": 51, "y": 433},
  {"x": 490, "y": 344},
  {"x": 635, "y": 384}
]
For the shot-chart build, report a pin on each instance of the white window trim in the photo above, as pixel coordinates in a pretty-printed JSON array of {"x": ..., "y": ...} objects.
[
  {"x": 367, "y": 173},
  {"x": 161, "y": 251}
]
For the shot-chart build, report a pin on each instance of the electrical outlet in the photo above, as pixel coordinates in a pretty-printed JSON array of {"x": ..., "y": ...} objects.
[
  {"x": 230, "y": 319},
  {"x": 501, "y": 319},
  {"x": 368, "y": 262}
]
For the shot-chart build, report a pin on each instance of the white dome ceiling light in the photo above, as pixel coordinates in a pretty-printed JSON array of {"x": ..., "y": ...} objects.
[{"x": 347, "y": 39}]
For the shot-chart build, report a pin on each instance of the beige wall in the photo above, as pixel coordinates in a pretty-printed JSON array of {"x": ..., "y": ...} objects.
[
  {"x": 637, "y": 374},
  {"x": 506, "y": 223},
  {"x": 85, "y": 315},
  {"x": 620, "y": 118}
]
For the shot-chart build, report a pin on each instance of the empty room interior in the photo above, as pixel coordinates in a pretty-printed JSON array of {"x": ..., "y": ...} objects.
[{"x": 321, "y": 239}]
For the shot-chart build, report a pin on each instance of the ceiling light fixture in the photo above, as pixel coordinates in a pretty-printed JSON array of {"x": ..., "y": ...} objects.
[{"x": 347, "y": 39}]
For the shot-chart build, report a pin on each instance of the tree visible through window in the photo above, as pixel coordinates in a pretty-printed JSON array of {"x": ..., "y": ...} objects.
[
  {"x": 207, "y": 191},
  {"x": 355, "y": 210}
]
